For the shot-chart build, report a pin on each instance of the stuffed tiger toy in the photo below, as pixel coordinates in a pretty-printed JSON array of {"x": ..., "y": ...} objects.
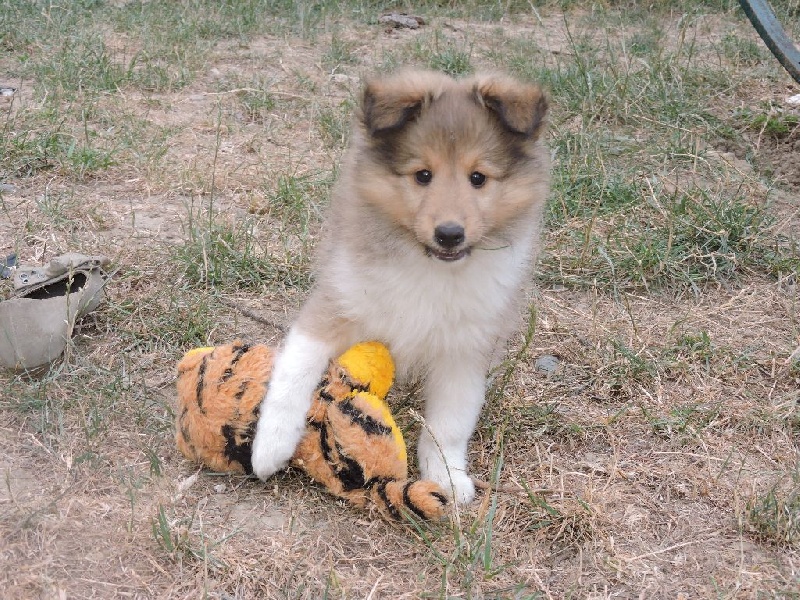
[{"x": 352, "y": 445}]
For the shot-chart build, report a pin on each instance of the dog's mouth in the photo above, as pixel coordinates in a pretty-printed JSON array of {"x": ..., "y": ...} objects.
[{"x": 447, "y": 255}]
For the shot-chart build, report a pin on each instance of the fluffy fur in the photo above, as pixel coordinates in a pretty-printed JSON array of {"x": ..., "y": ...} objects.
[{"x": 431, "y": 231}]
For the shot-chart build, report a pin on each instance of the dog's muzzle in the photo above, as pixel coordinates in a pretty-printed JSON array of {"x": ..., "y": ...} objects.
[{"x": 448, "y": 238}]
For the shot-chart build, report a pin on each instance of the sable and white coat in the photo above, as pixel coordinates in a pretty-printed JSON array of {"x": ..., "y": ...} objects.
[{"x": 432, "y": 229}]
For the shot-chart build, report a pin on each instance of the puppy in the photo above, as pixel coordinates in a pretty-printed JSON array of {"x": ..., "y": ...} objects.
[{"x": 432, "y": 228}]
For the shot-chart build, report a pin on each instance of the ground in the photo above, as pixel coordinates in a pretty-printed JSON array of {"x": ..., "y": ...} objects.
[{"x": 645, "y": 430}]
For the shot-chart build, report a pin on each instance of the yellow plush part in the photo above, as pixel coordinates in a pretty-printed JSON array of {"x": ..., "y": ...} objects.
[
  {"x": 370, "y": 363},
  {"x": 199, "y": 351},
  {"x": 386, "y": 416}
]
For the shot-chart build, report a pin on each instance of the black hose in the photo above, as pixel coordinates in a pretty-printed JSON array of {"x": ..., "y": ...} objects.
[{"x": 771, "y": 31}]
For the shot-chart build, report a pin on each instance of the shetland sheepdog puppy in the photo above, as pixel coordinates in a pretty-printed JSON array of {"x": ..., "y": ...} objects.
[{"x": 431, "y": 233}]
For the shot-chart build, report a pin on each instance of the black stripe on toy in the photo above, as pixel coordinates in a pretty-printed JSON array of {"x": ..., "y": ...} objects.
[
  {"x": 440, "y": 497},
  {"x": 368, "y": 424},
  {"x": 410, "y": 503},
  {"x": 238, "y": 352},
  {"x": 353, "y": 384},
  {"x": 323, "y": 440},
  {"x": 350, "y": 474},
  {"x": 326, "y": 395},
  {"x": 201, "y": 376},
  {"x": 240, "y": 452},
  {"x": 391, "y": 508},
  {"x": 184, "y": 428}
]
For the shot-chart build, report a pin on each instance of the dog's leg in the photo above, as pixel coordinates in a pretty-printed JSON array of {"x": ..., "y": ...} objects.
[
  {"x": 282, "y": 419},
  {"x": 454, "y": 393}
]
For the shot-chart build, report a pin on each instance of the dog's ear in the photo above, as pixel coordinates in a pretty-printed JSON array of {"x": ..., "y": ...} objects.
[
  {"x": 520, "y": 107},
  {"x": 389, "y": 104}
]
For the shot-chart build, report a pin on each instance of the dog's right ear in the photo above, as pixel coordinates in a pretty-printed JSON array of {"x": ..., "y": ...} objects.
[{"x": 389, "y": 104}]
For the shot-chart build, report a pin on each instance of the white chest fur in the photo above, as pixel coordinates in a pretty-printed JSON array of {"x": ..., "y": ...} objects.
[{"x": 423, "y": 308}]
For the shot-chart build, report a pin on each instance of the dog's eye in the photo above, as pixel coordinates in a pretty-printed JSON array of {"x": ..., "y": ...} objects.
[
  {"x": 477, "y": 179},
  {"x": 423, "y": 177}
]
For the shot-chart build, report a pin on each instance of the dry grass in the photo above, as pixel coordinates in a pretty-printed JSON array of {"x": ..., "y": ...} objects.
[{"x": 659, "y": 460}]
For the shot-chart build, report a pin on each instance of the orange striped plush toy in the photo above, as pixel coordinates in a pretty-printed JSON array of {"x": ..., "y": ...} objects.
[{"x": 352, "y": 445}]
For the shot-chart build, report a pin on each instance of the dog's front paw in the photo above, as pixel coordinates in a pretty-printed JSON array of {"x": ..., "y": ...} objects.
[
  {"x": 456, "y": 483},
  {"x": 460, "y": 486},
  {"x": 273, "y": 447}
]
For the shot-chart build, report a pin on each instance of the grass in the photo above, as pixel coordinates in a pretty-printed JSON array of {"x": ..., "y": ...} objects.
[
  {"x": 695, "y": 239},
  {"x": 196, "y": 144},
  {"x": 774, "y": 515},
  {"x": 334, "y": 124},
  {"x": 340, "y": 53},
  {"x": 440, "y": 53},
  {"x": 256, "y": 101},
  {"x": 218, "y": 254}
]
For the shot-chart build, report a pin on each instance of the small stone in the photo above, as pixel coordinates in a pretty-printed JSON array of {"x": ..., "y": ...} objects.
[
  {"x": 399, "y": 20},
  {"x": 185, "y": 484},
  {"x": 547, "y": 364},
  {"x": 342, "y": 79},
  {"x": 220, "y": 488}
]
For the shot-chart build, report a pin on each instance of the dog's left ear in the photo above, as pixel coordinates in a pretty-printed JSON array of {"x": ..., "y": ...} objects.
[
  {"x": 389, "y": 104},
  {"x": 522, "y": 108}
]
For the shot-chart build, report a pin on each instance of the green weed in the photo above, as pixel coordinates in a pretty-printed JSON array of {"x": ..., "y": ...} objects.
[
  {"x": 81, "y": 64},
  {"x": 678, "y": 241},
  {"x": 774, "y": 516},
  {"x": 443, "y": 54},
  {"x": 470, "y": 560},
  {"x": 40, "y": 403},
  {"x": 688, "y": 419},
  {"x": 168, "y": 321},
  {"x": 775, "y": 125},
  {"x": 181, "y": 539},
  {"x": 333, "y": 124},
  {"x": 256, "y": 101},
  {"x": 626, "y": 367},
  {"x": 452, "y": 60},
  {"x": 218, "y": 254},
  {"x": 340, "y": 52},
  {"x": 742, "y": 52},
  {"x": 569, "y": 525},
  {"x": 295, "y": 202},
  {"x": 224, "y": 253}
]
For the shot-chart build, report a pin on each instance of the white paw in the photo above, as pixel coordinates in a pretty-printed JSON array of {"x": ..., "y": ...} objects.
[
  {"x": 456, "y": 483},
  {"x": 273, "y": 447},
  {"x": 282, "y": 421}
]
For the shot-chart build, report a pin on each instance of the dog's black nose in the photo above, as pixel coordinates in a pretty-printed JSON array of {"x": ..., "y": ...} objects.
[{"x": 449, "y": 234}]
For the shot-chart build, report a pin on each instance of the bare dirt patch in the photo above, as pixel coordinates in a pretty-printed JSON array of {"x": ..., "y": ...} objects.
[{"x": 783, "y": 156}]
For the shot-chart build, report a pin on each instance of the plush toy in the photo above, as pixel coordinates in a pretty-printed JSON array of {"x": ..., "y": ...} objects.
[{"x": 352, "y": 445}]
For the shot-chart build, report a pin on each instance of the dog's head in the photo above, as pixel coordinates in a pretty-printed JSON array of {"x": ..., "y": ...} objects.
[{"x": 452, "y": 161}]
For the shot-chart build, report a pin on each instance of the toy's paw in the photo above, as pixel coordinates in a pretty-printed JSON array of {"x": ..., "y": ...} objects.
[
  {"x": 456, "y": 483},
  {"x": 424, "y": 499},
  {"x": 273, "y": 447}
]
